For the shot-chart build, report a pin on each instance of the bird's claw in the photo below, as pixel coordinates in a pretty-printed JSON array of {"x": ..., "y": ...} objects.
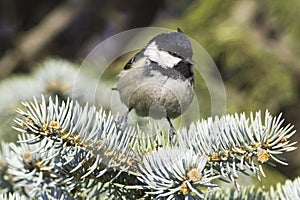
[
  {"x": 172, "y": 131},
  {"x": 122, "y": 121},
  {"x": 172, "y": 135}
]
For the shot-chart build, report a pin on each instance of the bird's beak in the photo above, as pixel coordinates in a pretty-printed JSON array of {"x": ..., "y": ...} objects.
[{"x": 190, "y": 61}]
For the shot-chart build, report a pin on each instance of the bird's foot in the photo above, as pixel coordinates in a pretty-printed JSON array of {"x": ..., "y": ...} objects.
[
  {"x": 172, "y": 135},
  {"x": 172, "y": 132},
  {"x": 122, "y": 121}
]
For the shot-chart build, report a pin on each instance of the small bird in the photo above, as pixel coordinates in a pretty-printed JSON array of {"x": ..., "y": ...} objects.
[{"x": 158, "y": 81}]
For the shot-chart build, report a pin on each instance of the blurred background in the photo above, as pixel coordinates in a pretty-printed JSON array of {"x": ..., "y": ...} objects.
[{"x": 255, "y": 45}]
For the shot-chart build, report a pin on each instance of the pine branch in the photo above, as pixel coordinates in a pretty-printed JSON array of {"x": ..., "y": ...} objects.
[
  {"x": 89, "y": 142},
  {"x": 290, "y": 190},
  {"x": 233, "y": 143},
  {"x": 12, "y": 196},
  {"x": 53, "y": 77},
  {"x": 174, "y": 173},
  {"x": 30, "y": 168},
  {"x": 228, "y": 144},
  {"x": 5, "y": 183},
  {"x": 153, "y": 137},
  {"x": 64, "y": 147}
]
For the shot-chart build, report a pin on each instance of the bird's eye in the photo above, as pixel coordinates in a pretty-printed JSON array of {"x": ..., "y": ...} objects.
[{"x": 174, "y": 54}]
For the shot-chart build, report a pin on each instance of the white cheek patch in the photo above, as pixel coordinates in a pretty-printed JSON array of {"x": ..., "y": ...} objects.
[{"x": 161, "y": 57}]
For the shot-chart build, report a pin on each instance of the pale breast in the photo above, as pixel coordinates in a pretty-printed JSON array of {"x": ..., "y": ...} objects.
[{"x": 154, "y": 94}]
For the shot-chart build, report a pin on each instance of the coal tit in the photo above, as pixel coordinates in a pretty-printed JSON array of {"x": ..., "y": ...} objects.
[{"x": 158, "y": 80}]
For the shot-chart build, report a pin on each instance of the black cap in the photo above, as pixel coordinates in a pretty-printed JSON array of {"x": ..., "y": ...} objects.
[{"x": 174, "y": 42}]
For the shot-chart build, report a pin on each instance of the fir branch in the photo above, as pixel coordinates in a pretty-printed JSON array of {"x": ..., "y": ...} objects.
[
  {"x": 233, "y": 194},
  {"x": 233, "y": 143},
  {"x": 90, "y": 142},
  {"x": 50, "y": 78},
  {"x": 57, "y": 77},
  {"x": 290, "y": 190},
  {"x": 6, "y": 184},
  {"x": 12, "y": 196},
  {"x": 56, "y": 193},
  {"x": 153, "y": 137},
  {"x": 174, "y": 173},
  {"x": 64, "y": 146},
  {"x": 30, "y": 169}
]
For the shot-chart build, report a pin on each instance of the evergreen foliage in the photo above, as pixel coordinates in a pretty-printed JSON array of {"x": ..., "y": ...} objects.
[{"x": 70, "y": 151}]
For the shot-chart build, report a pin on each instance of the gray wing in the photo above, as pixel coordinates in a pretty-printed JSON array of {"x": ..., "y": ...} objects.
[{"x": 133, "y": 59}]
